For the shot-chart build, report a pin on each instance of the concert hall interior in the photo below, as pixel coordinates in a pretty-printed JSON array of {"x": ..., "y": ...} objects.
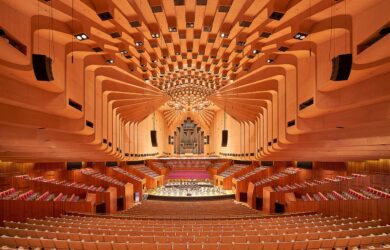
[{"x": 194, "y": 124}]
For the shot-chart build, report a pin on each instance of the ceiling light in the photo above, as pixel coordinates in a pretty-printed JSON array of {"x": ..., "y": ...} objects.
[
  {"x": 115, "y": 35},
  {"x": 245, "y": 24},
  {"x": 156, "y": 8},
  {"x": 190, "y": 25},
  {"x": 265, "y": 34},
  {"x": 255, "y": 51},
  {"x": 135, "y": 24},
  {"x": 97, "y": 49},
  {"x": 104, "y": 16},
  {"x": 110, "y": 61},
  {"x": 224, "y": 8},
  {"x": 207, "y": 28},
  {"x": 177, "y": 53},
  {"x": 172, "y": 29},
  {"x": 300, "y": 36},
  {"x": 269, "y": 60},
  {"x": 283, "y": 48},
  {"x": 224, "y": 35},
  {"x": 139, "y": 43},
  {"x": 155, "y": 35},
  {"x": 276, "y": 15},
  {"x": 124, "y": 52},
  {"x": 240, "y": 43},
  {"x": 81, "y": 36}
]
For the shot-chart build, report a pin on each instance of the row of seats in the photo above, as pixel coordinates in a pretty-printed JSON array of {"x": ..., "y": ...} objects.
[
  {"x": 62, "y": 183},
  {"x": 349, "y": 194},
  {"x": 124, "y": 172},
  {"x": 369, "y": 242},
  {"x": 190, "y": 236},
  {"x": 95, "y": 174},
  {"x": 311, "y": 183},
  {"x": 145, "y": 170},
  {"x": 196, "y": 209},
  {"x": 251, "y": 173},
  {"x": 232, "y": 170},
  {"x": 277, "y": 176},
  {"x": 30, "y": 195}
]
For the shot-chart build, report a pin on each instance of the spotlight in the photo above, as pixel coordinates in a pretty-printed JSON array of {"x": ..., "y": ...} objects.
[
  {"x": 255, "y": 51},
  {"x": 110, "y": 61},
  {"x": 300, "y": 36},
  {"x": 155, "y": 35},
  {"x": 81, "y": 36},
  {"x": 124, "y": 52},
  {"x": 269, "y": 60},
  {"x": 172, "y": 29},
  {"x": 177, "y": 53},
  {"x": 190, "y": 25},
  {"x": 139, "y": 43}
]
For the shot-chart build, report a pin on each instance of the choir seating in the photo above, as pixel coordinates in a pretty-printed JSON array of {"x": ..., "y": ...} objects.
[
  {"x": 153, "y": 179},
  {"x": 224, "y": 179}
]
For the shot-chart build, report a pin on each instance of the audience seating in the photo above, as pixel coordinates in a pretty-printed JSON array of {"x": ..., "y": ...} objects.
[
  {"x": 306, "y": 231},
  {"x": 145, "y": 170},
  {"x": 232, "y": 170}
]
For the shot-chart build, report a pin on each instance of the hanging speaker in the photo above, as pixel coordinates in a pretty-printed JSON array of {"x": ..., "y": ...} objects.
[
  {"x": 341, "y": 68},
  {"x": 42, "y": 67},
  {"x": 224, "y": 138},
  {"x": 153, "y": 137}
]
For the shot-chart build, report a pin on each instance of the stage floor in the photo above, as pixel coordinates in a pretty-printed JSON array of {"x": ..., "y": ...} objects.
[{"x": 186, "y": 189}]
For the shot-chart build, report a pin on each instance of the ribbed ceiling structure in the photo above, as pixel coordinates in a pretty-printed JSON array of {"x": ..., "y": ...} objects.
[{"x": 266, "y": 63}]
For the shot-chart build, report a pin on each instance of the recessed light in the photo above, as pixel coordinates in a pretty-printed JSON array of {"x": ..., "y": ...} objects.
[
  {"x": 245, "y": 24},
  {"x": 155, "y": 35},
  {"x": 283, "y": 48},
  {"x": 265, "y": 34},
  {"x": 115, "y": 35},
  {"x": 240, "y": 43},
  {"x": 179, "y": 2},
  {"x": 110, "y": 61},
  {"x": 224, "y": 8},
  {"x": 269, "y": 60},
  {"x": 124, "y": 52},
  {"x": 135, "y": 23},
  {"x": 139, "y": 43},
  {"x": 255, "y": 51},
  {"x": 207, "y": 28},
  {"x": 81, "y": 36},
  {"x": 276, "y": 15},
  {"x": 224, "y": 35},
  {"x": 156, "y": 8},
  {"x": 172, "y": 29},
  {"x": 104, "y": 16},
  {"x": 177, "y": 53},
  {"x": 97, "y": 49},
  {"x": 300, "y": 36}
]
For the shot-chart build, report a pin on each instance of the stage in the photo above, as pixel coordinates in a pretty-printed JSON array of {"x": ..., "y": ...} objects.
[{"x": 189, "y": 190}]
